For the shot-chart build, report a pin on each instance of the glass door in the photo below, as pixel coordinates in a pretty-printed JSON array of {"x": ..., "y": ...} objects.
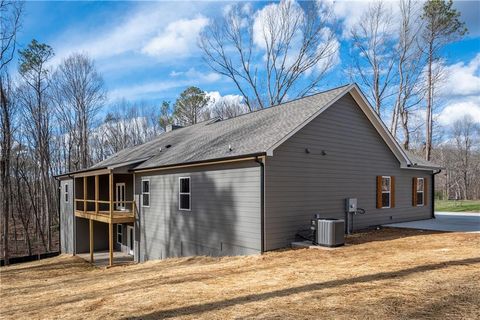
[{"x": 120, "y": 199}]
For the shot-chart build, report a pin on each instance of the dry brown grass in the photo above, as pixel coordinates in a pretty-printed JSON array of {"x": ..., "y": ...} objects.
[{"x": 386, "y": 274}]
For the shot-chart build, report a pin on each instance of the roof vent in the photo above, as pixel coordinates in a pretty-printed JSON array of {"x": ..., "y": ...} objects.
[
  {"x": 168, "y": 146},
  {"x": 172, "y": 127}
]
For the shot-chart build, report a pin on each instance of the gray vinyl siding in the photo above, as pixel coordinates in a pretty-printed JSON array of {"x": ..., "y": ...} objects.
[
  {"x": 66, "y": 217},
  {"x": 300, "y": 184},
  {"x": 224, "y": 218}
]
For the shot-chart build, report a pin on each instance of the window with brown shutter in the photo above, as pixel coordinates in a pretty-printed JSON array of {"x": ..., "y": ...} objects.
[
  {"x": 385, "y": 192},
  {"x": 419, "y": 192}
]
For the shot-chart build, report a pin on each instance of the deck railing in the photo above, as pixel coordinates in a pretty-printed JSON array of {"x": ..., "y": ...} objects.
[{"x": 127, "y": 206}]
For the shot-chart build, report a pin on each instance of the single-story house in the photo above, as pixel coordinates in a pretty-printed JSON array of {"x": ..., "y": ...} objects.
[{"x": 245, "y": 185}]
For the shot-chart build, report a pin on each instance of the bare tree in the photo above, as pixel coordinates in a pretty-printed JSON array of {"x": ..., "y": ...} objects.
[
  {"x": 282, "y": 50},
  {"x": 37, "y": 117},
  {"x": 465, "y": 132},
  {"x": 442, "y": 26},
  {"x": 226, "y": 109},
  {"x": 373, "y": 57},
  {"x": 409, "y": 57},
  {"x": 7, "y": 106},
  {"x": 126, "y": 125},
  {"x": 79, "y": 94},
  {"x": 10, "y": 14}
]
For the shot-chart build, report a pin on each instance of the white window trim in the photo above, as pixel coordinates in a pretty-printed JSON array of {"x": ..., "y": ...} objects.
[
  {"x": 149, "y": 188},
  {"x": 189, "y": 193},
  {"x": 119, "y": 233},
  {"x": 389, "y": 191},
  {"x": 421, "y": 191},
  {"x": 66, "y": 195}
]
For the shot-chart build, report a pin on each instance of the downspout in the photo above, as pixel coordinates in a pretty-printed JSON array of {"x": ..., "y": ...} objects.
[
  {"x": 59, "y": 191},
  {"x": 74, "y": 227},
  {"x": 262, "y": 203},
  {"x": 433, "y": 192}
]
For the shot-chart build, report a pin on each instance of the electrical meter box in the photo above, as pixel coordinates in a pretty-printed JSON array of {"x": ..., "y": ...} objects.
[{"x": 351, "y": 205}]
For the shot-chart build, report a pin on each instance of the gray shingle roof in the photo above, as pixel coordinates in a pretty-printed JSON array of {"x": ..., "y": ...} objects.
[
  {"x": 248, "y": 134},
  {"x": 418, "y": 161}
]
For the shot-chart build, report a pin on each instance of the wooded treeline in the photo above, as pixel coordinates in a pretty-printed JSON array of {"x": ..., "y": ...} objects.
[{"x": 57, "y": 119}]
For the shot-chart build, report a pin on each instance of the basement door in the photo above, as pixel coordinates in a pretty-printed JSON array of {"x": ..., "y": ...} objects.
[
  {"x": 120, "y": 192},
  {"x": 130, "y": 239}
]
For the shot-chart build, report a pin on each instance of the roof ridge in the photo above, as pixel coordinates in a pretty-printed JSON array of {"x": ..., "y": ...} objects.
[{"x": 286, "y": 102}]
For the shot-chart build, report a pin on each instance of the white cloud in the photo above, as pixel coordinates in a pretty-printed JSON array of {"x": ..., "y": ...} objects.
[
  {"x": 227, "y": 106},
  {"x": 461, "y": 91},
  {"x": 140, "y": 28},
  {"x": 216, "y": 97},
  {"x": 457, "y": 110},
  {"x": 191, "y": 77},
  {"x": 179, "y": 38},
  {"x": 462, "y": 79},
  {"x": 350, "y": 12},
  {"x": 196, "y": 75}
]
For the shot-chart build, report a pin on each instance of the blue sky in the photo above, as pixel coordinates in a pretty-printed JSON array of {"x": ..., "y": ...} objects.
[{"x": 146, "y": 51}]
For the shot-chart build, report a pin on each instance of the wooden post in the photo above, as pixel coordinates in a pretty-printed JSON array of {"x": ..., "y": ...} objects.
[
  {"x": 85, "y": 194},
  {"x": 96, "y": 194},
  {"x": 91, "y": 240},
  {"x": 110, "y": 224}
]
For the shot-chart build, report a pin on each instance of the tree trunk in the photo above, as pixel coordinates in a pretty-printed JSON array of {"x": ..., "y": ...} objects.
[
  {"x": 429, "y": 120},
  {"x": 5, "y": 167},
  {"x": 406, "y": 132}
]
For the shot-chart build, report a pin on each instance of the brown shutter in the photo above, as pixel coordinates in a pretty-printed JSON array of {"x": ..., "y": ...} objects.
[
  {"x": 379, "y": 192},
  {"x": 392, "y": 192},
  {"x": 425, "y": 188},
  {"x": 414, "y": 192}
]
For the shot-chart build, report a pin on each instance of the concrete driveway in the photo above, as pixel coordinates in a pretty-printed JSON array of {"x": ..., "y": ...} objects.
[{"x": 445, "y": 221}]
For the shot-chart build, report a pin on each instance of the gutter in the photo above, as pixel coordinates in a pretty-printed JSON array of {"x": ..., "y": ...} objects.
[
  {"x": 74, "y": 227},
  {"x": 262, "y": 203},
  {"x": 243, "y": 157},
  {"x": 433, "y": 192}
]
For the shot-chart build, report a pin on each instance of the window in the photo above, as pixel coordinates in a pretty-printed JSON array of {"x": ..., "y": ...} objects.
[
  {"x": 184, "y": 195},
  {"x": 119, "y": 233},
  {"x": 145, "y": 193},
  {"x": 66, "y": 192},
  {"x": 419, "y": 192},
  {"x": 385, "y": 192}
]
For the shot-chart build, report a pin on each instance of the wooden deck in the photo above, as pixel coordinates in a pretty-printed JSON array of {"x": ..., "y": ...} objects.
[
  {"x": 104, "y": 216},
  {"x": 110, "y": 217}
]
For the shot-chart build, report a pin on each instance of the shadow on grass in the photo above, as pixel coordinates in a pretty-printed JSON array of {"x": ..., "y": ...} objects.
[
  {"x": 52, "y": 265},
  {"x": 201, "y": 308}
]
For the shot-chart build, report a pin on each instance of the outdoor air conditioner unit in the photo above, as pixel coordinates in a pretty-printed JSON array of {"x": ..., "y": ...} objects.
[{"x": 330, "y": 232}]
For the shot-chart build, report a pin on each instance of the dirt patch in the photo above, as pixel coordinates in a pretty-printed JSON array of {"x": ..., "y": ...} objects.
[{"x": 389, "y": 273}]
